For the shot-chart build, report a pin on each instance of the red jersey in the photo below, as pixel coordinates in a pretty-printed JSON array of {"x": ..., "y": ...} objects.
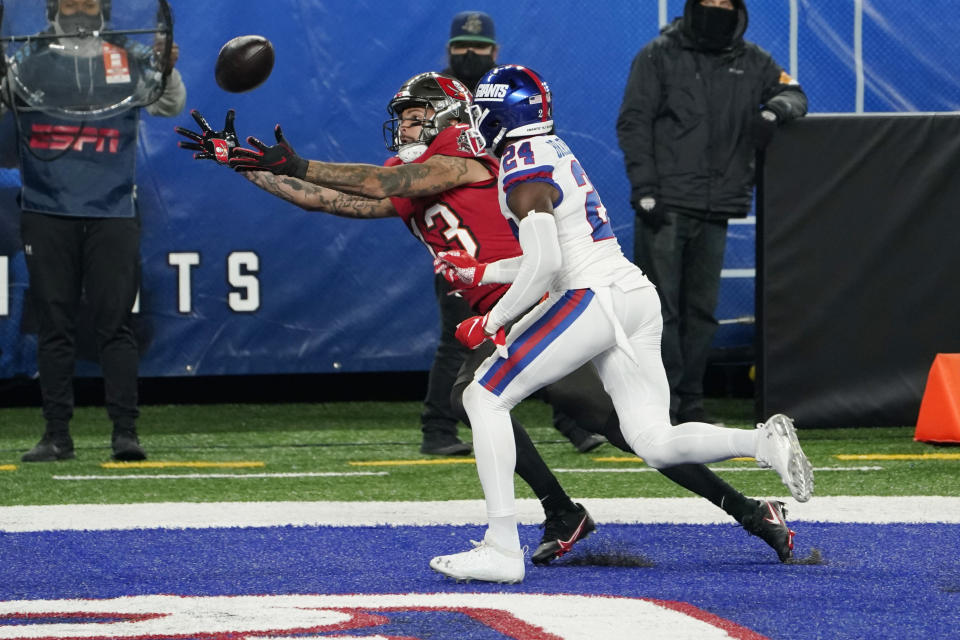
[{"x": 466, "y": 217}]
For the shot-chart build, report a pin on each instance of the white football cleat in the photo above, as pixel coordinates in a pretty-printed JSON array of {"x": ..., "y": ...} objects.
[
  {"x": 778, "y": 447},
  {"x": 486, "y": 561}
]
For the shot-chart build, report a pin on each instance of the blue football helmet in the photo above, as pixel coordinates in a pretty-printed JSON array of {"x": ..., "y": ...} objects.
[{"x": 510, "y": 102}]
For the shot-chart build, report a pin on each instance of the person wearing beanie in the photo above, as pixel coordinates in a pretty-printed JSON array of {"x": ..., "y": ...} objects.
[{"x": 699, "y": 102}]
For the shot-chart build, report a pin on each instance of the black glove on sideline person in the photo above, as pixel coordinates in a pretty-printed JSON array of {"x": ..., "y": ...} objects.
[
  {"x": 279, "y": 159},
  {"x": 764, "y": 126},
  {"x": 650, "y": 212},
  {"x": 210, "y": 144}
]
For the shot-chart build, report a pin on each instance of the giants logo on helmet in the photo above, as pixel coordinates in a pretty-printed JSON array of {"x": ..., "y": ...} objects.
[{"x": 495, "y": 92}]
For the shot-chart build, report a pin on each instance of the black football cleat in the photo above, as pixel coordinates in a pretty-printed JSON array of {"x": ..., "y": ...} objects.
[
  {"x": 560, "y": 531},
  {"x": 768, "y": 522}
]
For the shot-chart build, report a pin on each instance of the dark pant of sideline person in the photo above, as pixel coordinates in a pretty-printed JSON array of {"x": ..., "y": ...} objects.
[
  {"x": 96, "y": 262},
  {"x": 683, "y": 258}
]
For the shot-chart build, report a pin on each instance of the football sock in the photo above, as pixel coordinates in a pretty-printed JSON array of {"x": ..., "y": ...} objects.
[
  {"x": 703, "y": 482},
  {"x": 502, "y": 531}
]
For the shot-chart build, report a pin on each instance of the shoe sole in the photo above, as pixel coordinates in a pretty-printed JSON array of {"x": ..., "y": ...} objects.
[
  {"x": 799, "y": 469},
  {"x": 461, "y": 449},
  {"x": 129, "y": 456},
  {"x": 65, "y": 456},
  {"x": 590, "y": 445},
  {"x": 460, "y": 578}
]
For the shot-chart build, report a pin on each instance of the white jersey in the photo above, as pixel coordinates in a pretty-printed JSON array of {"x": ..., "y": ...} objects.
[
  {"x": 600, "y": 310},
  {"x": 592, "y": 257}
]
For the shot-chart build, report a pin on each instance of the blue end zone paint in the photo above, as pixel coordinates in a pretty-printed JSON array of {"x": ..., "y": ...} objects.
[{"x": 877, "y": 580}]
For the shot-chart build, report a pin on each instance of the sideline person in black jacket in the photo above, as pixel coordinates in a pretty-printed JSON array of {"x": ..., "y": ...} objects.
[{"x": 699, "y": 102}]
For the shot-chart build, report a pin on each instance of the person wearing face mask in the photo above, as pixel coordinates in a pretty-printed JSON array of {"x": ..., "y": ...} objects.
[
  {"x": 472, "y": 48},
  {"x": 471, "y": 51},
  {"x": 699, "y": 102},
  {"x": 76, "y": 95}
]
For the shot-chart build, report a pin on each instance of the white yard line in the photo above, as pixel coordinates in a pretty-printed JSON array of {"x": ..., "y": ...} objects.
[
  {"x": 238, "y": 476},
  {"x": 876, "y": 509},
  {"x": 715, "y": 469}
]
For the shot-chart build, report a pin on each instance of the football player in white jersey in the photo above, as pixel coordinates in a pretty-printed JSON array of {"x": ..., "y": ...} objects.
[{"x": 598, "y": 307}]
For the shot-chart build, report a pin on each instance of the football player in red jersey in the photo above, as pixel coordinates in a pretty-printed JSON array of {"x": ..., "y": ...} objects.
[{"x": 447, "y": 197}]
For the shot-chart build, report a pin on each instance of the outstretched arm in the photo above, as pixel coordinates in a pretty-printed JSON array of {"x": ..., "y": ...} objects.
[
  {"x": 438, "y": 174},
  {"x": 311, "y": 197},
  {"x": 221, "y": 146}
]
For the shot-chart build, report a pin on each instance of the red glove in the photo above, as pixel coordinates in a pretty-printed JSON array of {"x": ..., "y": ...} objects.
[
  {"x": 459, "y": 268},
  {"x": 471, "y": 333}
]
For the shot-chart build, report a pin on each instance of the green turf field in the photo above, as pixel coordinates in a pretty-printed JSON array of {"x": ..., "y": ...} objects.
[{"x": 380, "y": 441}]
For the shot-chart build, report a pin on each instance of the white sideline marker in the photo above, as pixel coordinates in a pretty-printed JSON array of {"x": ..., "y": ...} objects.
[{"x": 178, "y": 515}]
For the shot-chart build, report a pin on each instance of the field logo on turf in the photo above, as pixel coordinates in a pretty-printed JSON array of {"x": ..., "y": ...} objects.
[{"x": 521, "y": 616}]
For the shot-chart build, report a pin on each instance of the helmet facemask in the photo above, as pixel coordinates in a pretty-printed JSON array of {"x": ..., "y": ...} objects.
[{"x": 485, "y": 131}]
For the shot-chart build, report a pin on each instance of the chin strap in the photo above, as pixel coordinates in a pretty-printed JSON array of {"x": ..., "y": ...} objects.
[{"x": 410, "y": 152}]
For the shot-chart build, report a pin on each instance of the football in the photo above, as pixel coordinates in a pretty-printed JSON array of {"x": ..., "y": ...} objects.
[{"x": 244, "y": 63}]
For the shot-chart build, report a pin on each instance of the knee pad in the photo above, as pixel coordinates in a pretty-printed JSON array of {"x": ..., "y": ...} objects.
[
  {"x": 649, "y": 445},
  {"x": 475, "y": 397}
]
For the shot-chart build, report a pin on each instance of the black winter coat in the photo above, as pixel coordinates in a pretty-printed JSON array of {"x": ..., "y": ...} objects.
[{"x": 686, "y": 117}]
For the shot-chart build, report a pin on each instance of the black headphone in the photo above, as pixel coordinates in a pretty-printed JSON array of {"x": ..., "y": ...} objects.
[{"x": 53, "y": 6}]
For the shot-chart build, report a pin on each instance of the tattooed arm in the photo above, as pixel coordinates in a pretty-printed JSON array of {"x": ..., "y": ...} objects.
[
  {"x": 313, "y": 197},
  {"x": 436, "y": 175}
]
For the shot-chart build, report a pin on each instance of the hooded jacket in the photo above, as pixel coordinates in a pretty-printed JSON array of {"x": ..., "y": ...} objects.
[{"x": 685, "y": 121}]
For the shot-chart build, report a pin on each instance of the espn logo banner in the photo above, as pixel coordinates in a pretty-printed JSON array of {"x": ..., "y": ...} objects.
[{"x": 59, "y": 137}]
